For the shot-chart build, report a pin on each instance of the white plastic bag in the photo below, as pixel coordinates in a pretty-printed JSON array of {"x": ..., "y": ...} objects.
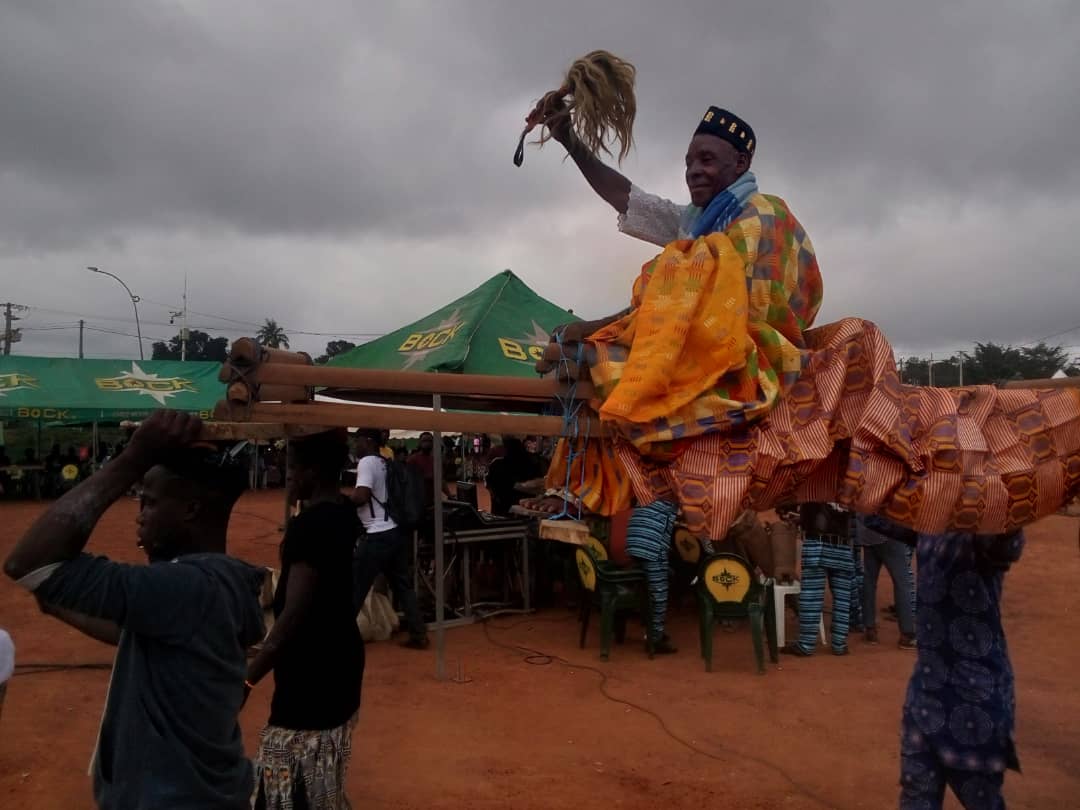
[{"x": 377, "y": 619}]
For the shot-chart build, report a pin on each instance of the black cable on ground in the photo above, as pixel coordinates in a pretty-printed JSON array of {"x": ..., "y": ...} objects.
[
  {"x": 257, "y": 516},
  {"x": 540, "y": 658},
  {"x": 37, "y": 669}
]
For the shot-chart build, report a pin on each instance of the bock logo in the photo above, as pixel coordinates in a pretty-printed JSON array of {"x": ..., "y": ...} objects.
[
  {"x": 417, "y": 346},
  {"x": 529, "y": 347},
  {"x": 726, "y": 579},
  {"x": 15, "y": 381},
  {"x": 154, "y": 386}
]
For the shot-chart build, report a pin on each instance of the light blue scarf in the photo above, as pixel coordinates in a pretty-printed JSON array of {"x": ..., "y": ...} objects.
[{"x": 724, "y": 207}]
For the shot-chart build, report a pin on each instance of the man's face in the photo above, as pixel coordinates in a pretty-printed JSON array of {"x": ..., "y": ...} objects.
[
  {"x": 712, "y": 164},
  {"x": 166, "y": 509},
  {"x": 427, "y": 444}
]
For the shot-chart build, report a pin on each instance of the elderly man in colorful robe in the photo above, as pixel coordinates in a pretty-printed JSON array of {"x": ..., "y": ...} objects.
[{"x": 774, "y": 291}]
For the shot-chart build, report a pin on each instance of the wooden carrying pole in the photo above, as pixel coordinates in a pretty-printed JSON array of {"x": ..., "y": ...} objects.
[
  {"x": 295, "y": 374},
  {"x": 413, "y": 382},
  {"x": 331, "y": 414},
  {"x": 253, "y": 431}
]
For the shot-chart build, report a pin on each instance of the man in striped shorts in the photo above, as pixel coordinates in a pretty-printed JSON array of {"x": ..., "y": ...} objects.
[{"x": 826, "y": 555}]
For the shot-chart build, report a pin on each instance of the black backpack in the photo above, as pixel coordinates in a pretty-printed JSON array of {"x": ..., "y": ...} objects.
[{"x": 404, "y": 494}]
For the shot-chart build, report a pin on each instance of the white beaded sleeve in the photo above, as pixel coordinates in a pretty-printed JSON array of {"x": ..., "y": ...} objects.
[{"x": 651, "y": 218}]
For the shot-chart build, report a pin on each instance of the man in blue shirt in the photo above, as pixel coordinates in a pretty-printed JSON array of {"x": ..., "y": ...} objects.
[{"x": 169, "y": 736}]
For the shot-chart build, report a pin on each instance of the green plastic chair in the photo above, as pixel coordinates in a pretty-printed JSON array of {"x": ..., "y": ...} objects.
[
  {"x": 728, "y": 589},
  {"x": 616, "y": 591}
]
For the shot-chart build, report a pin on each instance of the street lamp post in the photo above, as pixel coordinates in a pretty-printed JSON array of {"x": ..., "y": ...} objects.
[{"x": 134, "y": 303}]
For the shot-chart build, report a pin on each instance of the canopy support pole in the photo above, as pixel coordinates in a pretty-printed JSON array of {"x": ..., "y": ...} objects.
[{"x": 440, "y": 582}]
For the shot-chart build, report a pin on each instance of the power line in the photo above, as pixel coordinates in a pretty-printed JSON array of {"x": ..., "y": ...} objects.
[
  {"x": 1056, "y": 334},
  {"x": 127, "y": 334},
  {"x": 207, "y": 327}
]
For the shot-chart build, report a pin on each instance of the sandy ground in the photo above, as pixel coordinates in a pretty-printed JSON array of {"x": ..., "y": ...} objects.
[{"x": 631, "y": 733}]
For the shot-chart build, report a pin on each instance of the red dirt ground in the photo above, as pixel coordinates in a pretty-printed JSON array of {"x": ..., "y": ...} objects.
[{"x": 517, "y": 735}]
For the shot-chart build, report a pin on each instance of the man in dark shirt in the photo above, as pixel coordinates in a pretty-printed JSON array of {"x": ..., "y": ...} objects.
[
  {"x": 315, "y": 648},
  {"x": 423, "y": 458},
  {"x": 169, "y": 736}
]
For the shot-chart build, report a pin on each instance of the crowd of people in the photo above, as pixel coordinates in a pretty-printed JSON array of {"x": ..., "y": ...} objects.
[{"x": 177, "y": 746}]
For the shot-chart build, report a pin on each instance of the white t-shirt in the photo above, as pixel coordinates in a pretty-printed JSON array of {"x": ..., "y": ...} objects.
[{"x": 371, "y": 473}]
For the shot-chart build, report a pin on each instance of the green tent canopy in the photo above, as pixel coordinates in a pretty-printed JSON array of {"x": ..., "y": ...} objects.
[
  {"x": 500, "y": 328},
  {"x": 65, "y": 390}
]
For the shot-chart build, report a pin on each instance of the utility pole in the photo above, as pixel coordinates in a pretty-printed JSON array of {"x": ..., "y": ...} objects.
[
  {"x": 182, "y": 314},
  {"x": 81, "y": 322},
  {"x": 184, "y": 329},
  {"x": 961, "y": 369},
  {"x": 11, "y": 335},
  {"x": 931, "y": 369}
]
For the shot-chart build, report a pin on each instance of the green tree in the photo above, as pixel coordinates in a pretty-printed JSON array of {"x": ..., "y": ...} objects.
[
  {"x": 334, "y": 348},
  {"x": 1042, "y": 361},
  {"x": 272, "y": 335},
  {"x": 989, "y": 364},
  {"x": 200, "y": 346}
]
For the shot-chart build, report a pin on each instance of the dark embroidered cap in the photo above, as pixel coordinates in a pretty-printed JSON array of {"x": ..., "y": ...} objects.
[{"x": 725, "y": 124}]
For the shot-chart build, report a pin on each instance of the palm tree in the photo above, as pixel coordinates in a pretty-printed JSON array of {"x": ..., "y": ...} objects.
[{"x": 272, "y": 335}]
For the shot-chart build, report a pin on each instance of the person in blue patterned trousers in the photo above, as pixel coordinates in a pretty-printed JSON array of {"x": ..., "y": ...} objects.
[
  {"x": 826, "y": 556},
  {"x": 960, "y": 710},
  {"x": 648, "y": 542}
]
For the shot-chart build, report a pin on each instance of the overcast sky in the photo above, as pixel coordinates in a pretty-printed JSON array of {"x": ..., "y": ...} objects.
[{"x": 345, "y": 167}]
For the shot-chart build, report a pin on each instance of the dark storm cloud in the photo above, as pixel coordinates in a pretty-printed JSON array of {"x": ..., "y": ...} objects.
[{"x": 928, "y": 148}]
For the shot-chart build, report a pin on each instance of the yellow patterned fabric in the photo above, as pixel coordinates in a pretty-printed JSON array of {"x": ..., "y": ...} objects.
[
  {"x": 719, "y": 338},
  {"x": 713, "y": 338}
]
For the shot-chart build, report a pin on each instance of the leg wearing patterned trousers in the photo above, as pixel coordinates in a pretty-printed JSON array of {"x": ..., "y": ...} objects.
[
  {"x": 857, "y": 619},
  {"x": 648, "y": 541},
  {"x": 656, "y": 574},
  {"x": 840, "y": 585},
  {"x": 811, "y": 603},
  {"x": 923, "y": 778}
]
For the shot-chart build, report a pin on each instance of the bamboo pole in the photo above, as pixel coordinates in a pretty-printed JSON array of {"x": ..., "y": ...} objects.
[
  {"x": 450, "y": 402},
  {"x": 237, "y": 431},
  {"x": 372, "y": 416},
  {"x": 239, "y": 392},
  {"x": 414, "y": 382},
  {"x": 1060, "y": 382},
  {"x": 248, "y": 352}
]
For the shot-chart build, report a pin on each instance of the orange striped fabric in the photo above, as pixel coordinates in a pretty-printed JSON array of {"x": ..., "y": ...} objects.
[{"x": 975, "y": 459}]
